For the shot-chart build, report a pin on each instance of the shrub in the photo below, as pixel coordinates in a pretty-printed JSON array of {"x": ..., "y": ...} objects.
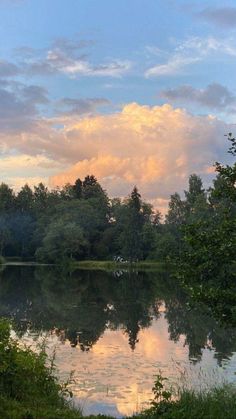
[{"x": 27, "y": 385}]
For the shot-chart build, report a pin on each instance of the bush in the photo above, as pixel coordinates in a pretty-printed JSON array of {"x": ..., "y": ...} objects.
[{"x": 29, "y": 388}]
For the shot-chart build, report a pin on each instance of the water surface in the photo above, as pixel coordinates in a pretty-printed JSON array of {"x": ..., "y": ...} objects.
[{"x": 116, "y": 331}]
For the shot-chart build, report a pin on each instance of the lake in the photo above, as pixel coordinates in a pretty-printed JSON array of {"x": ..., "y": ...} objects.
[{"x": 116, "y": 331}]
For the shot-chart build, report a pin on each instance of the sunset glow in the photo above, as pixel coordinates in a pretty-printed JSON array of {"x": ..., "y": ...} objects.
[{"x": 77, "y": 99}]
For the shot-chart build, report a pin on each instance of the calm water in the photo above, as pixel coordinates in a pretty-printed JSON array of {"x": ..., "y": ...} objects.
[{"x": 115, "y": 331}]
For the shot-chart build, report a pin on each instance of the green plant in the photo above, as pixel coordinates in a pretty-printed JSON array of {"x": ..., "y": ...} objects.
[
  {"x": 27, "y": 385},
  {"x": 159, "y": 390}
]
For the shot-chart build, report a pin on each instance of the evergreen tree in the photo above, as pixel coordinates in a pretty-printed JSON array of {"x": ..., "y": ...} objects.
[
  {"x": 24, "y": 199},
  {"x": 132, "y": 234},
  {"x": 77, "y": 188}
]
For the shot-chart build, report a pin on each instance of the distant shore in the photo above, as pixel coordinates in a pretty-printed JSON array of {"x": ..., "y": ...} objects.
[
  {"x": 114, "y": 266},
  {"x": 107, "y": 265}
]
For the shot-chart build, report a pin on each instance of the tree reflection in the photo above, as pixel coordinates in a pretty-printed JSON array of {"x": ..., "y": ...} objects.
[{"x": 79, "y": 306}]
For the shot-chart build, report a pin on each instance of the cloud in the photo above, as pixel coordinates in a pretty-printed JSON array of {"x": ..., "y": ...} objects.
[
  {"x": 115, "y": 68},
  {"x": 17, "y": 170},
  {"x": 35, "y": 94},
  {"x": 189, "y": 52},
  {"x": 156, "y": 148},
  {"x": 8, "y": 69},
  {"x": 18, "y": 162},
  {"x": 68, "y": 57},
  {"x": 214, "y": 96},
  {"x": 223, "y": 16},
  {"x": 19, "y": 105},
  {"x": 71, "y": 46},
  {"x": 174, "y": 66},
  {"x": 55, "y": 63},
  {"x": 81, "y": 106}
]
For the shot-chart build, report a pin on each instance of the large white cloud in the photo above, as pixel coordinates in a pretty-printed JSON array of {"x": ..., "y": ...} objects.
[{"x": 155, "y": 148}]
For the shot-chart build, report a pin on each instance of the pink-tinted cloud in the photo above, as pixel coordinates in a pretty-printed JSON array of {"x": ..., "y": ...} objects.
[{"x": 156, "y": 148}]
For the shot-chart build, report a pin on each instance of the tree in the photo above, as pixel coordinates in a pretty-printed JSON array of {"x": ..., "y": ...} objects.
[
  {"x": 77, "y": 188},
  {"x": 194, "y": 192},
  {"x": 7, "y": 198},
  {"x": 177, "y": 211},
  {"x": 91, "y": 188},
  {"x": 228, "y": 173},
  {"x": 221, "y": 192},
  {"x": 210, "y": 235},
  {"x": 5, "y": 234},
  {"x": 22, "y": 227},
  {"x": 131, "y": 237},
  {"x": 67, "y": 192},
  {"x": 64, "y": 240},
  {"x": 24, "y": 199},
  {"x": 41, "y": 194}
]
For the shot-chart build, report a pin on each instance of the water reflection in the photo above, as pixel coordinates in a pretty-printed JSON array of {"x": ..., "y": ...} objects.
[{"x": 115, "y": 330}]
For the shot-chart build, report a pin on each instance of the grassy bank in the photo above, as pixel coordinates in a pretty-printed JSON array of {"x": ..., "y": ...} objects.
[
  {"x": 114, "y": 266},
  {"x": 217, "y": 404},
  {"x": 106, "y": 265},
  {"x": 13, "y": 409}
]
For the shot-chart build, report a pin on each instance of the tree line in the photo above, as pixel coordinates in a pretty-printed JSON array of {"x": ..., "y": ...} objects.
[{"x": 80, "y": 222}]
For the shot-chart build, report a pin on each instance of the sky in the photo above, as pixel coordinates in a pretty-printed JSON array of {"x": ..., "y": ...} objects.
[{"x": 136, "y": 92}]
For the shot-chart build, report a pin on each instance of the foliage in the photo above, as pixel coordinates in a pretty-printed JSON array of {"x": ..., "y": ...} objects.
[
  {"x": 189, "y": 404},
  {"x": 63, "y": 240},
  {"x": 206, "y": 261},
  {"x": 211, "y": 404},
  {"x": 29, "y": 388}
]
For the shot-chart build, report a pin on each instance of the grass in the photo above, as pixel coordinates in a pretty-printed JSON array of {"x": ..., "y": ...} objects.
[
  {"x": 114, "y": 266},
  {"x": 218, "y": 403},
  {"x": 14, "y": 409}
]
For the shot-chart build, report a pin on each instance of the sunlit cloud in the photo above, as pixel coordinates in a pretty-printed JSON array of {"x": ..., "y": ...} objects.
[
  {"x": 17, "y": 170},
  {"x": 156, "y": 148}
]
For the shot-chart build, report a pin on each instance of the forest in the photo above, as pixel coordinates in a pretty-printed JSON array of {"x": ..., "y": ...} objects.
[{"x": 80, "y": 222}]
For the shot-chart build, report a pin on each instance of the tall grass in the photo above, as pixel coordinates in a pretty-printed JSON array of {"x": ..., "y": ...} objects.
[{"x": 209, "y": 403}]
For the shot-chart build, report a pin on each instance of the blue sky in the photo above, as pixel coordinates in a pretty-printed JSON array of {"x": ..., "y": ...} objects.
[{"x": 82, "y": 80}]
